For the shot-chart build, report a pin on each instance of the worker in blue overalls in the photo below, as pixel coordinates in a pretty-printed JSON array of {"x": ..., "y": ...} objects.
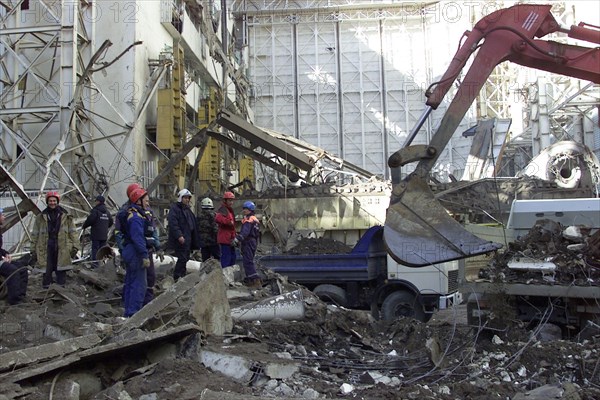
[{"x": 135, "y": 253}]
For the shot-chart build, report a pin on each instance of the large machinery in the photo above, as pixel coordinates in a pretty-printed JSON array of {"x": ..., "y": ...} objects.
[{"x": 419, "y": 231}]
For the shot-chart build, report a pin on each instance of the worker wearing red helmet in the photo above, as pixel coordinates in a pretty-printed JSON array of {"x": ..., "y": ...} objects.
[
  {"x": 119, "y": 234},
  {"x": 135, "y": 253},
  {"x": 151, "y": 234},
  {"x": 225, "y": 218},
  {"x": 54, "y": 240}
]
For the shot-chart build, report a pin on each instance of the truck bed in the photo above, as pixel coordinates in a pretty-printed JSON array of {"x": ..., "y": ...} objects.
[
  {"x": 366, "y": 262},
  {"x": 326, "y": 268}
]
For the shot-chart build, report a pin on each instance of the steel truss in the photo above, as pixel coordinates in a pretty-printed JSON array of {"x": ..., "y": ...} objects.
[{"x": 49, "y": 101}]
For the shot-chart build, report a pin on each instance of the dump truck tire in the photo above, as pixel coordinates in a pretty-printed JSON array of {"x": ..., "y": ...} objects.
[
  {"x": 403, "y": 304},
  {"x": 331, "y": 294}
]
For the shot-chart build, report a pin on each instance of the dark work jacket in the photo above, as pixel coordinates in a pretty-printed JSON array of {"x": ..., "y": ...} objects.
[
  {"x": 100, "y": 220},
  {"x": 182, "y": 222},
  {"x": 207, "y": 227},
  {"x": 3, "y": 252}
]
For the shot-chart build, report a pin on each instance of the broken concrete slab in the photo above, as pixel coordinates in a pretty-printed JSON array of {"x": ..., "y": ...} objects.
[
  {"x": 19, "y": 358},
  {"x": 236, "y": 362},
  {"x": 206, "y": 293},
  {"x": 133, "y": 340},
  {"x": 232, "y": 274},
  {"x": 210, "y": 307},
  {"x": 159, "y": 303},
  {"x": 93, "y": 277}
]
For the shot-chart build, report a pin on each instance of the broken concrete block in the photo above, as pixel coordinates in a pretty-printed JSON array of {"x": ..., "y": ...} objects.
[
  {"x": 232, "y": 274},
  {"x": 346, "y": 388},
  {"x": 436, "y": 353},
  {"x": 88, "y": 384},
  {"x": 275, "y": 370},
  {"x": 233, "y": 366},
  {"x": 210, "y": 307},
  {"x": 57, "y": 333},
  {"x": 159, "y": 303},
  {"x": 67, "y": 389},
  {"x": 547, "y": 392},
  {"x": 574, "y": 233}
]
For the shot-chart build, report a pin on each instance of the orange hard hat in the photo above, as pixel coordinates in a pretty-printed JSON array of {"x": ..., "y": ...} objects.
[
  {"x": 228, "y": 195},
  {"x": 132, "y": 187},
  {"x": 53, "y": 194},
  {"x": 137, "y": 194}
]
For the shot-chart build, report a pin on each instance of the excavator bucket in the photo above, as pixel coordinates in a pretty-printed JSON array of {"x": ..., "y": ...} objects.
[{"x": 419, "y": 231}]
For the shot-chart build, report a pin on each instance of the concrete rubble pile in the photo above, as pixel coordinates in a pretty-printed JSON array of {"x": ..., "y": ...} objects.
[
  {"x": 209, "y": 337},
  {"x": 550, "y": 253}
]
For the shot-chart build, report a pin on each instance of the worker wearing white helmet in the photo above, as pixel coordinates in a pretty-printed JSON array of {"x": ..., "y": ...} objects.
[
  {"x": 183, "y": 235},
  {"x": 207, "y": 231}
]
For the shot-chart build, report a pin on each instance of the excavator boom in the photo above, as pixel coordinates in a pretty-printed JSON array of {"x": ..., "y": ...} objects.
[{"x": 418, "y": 230}]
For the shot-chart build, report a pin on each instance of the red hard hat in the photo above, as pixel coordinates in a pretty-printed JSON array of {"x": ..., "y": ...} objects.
[
  {"x": 132, "y": 187},
  {"x": 137, "y": 194},
  {"x": 228, "y": 195},
  {"x": 53, "y": 194}
]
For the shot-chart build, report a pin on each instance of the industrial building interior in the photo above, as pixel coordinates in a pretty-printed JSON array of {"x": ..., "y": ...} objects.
[
  {"x": 404, "y": 132},
  {"x": 261, "y": 97}
]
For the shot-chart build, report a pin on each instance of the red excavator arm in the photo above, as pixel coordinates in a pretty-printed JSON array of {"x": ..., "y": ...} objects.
[{"x": 418, "y": 230}]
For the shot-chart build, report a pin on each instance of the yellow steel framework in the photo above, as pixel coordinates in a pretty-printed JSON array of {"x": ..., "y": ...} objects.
[
  {"x": 247, "y": 169},
  {"x": 210, "y": 163},
  {"x": 171, "y": 128}
]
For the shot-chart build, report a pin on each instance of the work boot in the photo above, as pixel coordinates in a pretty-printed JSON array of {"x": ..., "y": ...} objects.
[{"x": 255, "y": 283}]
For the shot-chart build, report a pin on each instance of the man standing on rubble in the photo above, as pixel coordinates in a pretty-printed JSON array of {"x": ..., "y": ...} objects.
[
  {"x": 100, "y": 220},
  {"x": 208, "y": 230},
  {"x": 183, "y": 236},
  {"x": 248, "y": 238},
  {"x": 53, "y": 240},
  {"x": 122, "y": 215},
  {"x": 15, "y": 274},
  {"x": 135, "y": 253},
  {"x": 225, "y": 218}
]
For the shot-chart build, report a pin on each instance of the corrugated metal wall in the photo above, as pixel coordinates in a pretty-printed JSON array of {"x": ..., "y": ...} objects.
[{"x": 354, "y": 87}]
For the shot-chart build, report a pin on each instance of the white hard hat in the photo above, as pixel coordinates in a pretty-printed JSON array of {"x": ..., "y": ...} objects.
[
  {"x": 206, "y": 203},
  {"x": 183, "y": 193}
]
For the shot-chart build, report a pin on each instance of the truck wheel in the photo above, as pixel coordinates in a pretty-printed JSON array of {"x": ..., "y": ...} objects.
[
  {"x": 403, "y": 304},
  {"x": 331, "y": 294}
]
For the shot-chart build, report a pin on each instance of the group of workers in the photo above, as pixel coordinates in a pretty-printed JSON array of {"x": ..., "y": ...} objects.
[
  {"x": 55, "y": 243},
  {"x": 213, "y": 233}
]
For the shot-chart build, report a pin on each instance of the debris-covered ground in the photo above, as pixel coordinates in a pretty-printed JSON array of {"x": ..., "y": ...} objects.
[
  {"x": 549, "y": 254},
  {"x": 70, "y": 343}
]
